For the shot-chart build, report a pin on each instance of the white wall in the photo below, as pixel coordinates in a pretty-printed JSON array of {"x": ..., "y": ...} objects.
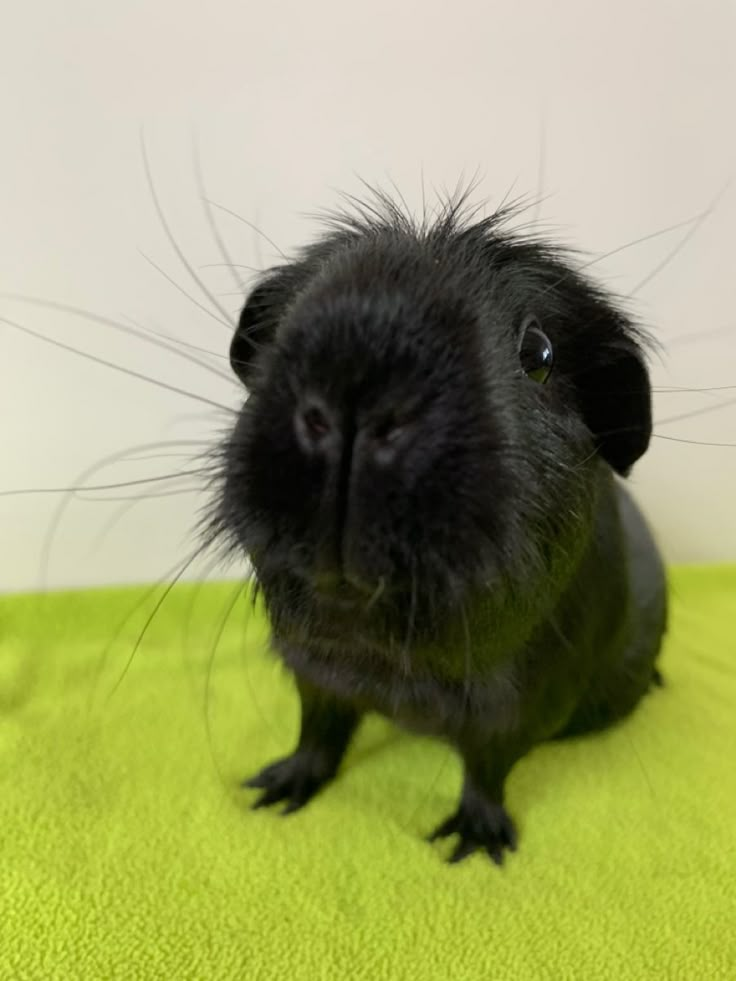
[{"x": 290, "y": 101}]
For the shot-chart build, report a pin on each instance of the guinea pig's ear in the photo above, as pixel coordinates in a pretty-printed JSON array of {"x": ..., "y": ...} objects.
[
  {"x": 615, "y": 396},
  {"x": 257, "y": 324}
]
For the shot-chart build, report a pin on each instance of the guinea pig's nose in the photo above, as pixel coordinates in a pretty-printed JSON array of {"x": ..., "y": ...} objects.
[{"x": 315, "y": 425}]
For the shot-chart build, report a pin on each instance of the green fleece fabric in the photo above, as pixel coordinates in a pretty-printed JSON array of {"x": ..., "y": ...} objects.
[{"x": 128, "y": 850}]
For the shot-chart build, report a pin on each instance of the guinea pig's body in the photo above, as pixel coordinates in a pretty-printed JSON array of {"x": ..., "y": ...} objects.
[{"x": 430, "y": 506}]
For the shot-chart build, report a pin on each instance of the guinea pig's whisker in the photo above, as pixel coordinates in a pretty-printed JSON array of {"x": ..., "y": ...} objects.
[
  {"x": 250, "y": 224},
  {"x": 143, "y": 496},
  {"x": 581, "y": 463},
  {"x": 692, "y": 224},
  {"x": 134, "y": 331},
  {"x": 230, "y": 606},
  {"x": 138, "y": 605},
  {"x": 79, "y": 484},
  {"x": 116, "y": 367},
  {"x": 541, "y": 169},
  {"x": 642, "y": 239},
  {"x": 468, "y": 661},
  {"x": 696, "y": 412},
  {"x": 160, "y": 456},
  {"x": 130, "y": 455},
  {"x": 640, "y": 762},
  {"x": 448, "y": 755},
  {"x": 692, "y": 442},
  {"x": 582, "y": 267},
  {"x": 226, "y": 320},
  {"x": 129, "y": 501},
  {"x": 377, "y": 593},
  {"x": 701, "y": 335},
  {"x": 178, "y": 341},
  {"x": 149, "y": 620},
  {"x": 672, "y": 439},
  {"x": 196, "y": 587},
  {"x": 560, "y": 635},
  {"x": 78, "y": 488},
  {"x": 699, "y": 221},
  {"x": 210, "y": 216},
  {"x": 404, "y": 657},
  {"x": 675, "y": 389},
  {"x": 172, "y": 241},
  {"x": 232, "y": 265},
  {"x": 255, "y": 592}
]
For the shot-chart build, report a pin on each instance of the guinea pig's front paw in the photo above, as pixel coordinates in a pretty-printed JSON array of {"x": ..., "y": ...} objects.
[
  {"x": 294, "y": 779},
  {"x": 482, "y": 825}
]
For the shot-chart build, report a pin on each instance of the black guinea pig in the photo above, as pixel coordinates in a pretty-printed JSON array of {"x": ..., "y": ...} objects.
[{"x": 423, "y": 478}]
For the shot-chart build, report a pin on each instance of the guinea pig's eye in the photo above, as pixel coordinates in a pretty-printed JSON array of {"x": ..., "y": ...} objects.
[{"x": 535, "y": 352}]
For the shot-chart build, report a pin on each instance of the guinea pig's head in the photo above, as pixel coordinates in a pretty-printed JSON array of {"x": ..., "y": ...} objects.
[{"x": 428, "y": 410}]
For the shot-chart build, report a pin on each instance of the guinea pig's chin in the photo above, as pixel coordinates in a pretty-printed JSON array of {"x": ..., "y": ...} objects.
[
  {"x": 302, "y": 617},
  {"x": 401, "y": 614}
]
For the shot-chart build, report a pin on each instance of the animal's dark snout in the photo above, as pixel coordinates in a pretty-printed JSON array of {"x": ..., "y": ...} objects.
[
  {"x": 354, "y": 449},
  {"x": 323, "y": 430}
]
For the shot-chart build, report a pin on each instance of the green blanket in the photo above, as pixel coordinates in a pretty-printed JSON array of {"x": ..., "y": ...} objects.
[{"x": 128, "y": 850}]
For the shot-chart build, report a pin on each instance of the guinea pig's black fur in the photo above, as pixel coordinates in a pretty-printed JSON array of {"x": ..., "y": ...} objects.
[{"x": 422, "y": 476}]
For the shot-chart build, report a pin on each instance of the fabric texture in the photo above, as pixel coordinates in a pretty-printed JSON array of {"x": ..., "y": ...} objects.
[{"x": 128, "y": 850}]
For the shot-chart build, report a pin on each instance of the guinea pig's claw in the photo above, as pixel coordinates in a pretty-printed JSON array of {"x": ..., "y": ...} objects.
[
  {"x": 490, "y": 830},
  {"x": 294, "y": 779},
  {"x": 448, "y": 827}
]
